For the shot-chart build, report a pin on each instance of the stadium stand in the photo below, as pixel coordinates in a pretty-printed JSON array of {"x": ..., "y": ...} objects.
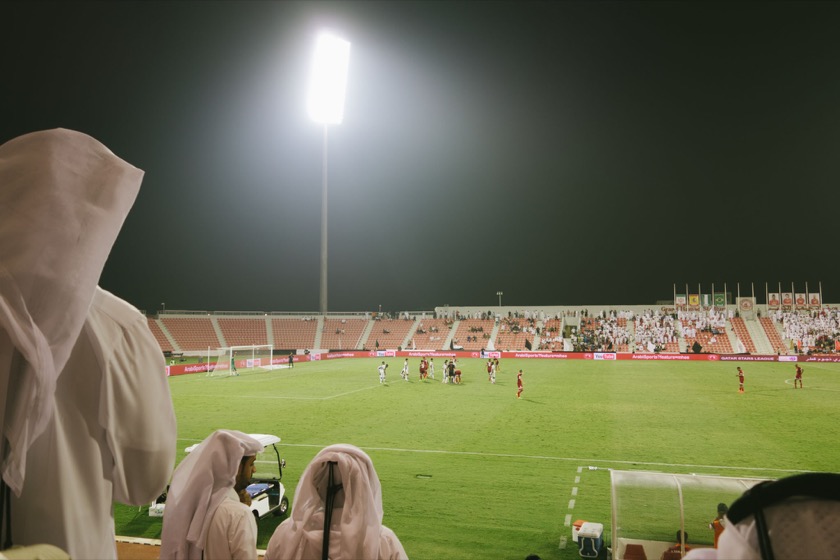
[
  {"x": 710, "y": 342},
  {"x": 159, "y": 335},
  {"x": 473, "y": 334},
  {"x": 743, "y": 334},
  {"x": 294, "y": 333},
  {"x": 604, "y": 334},
  {"x": 194, "y": 333},
  {"x": 773, "y": 335},
  {"x": 431, "y": 334},
  {"x": 513, "y": 333},
  {"x": 243, "y": 331},
  {"x": 390, "y": 333},
  {"x": 655, "y": 332},
  {"x": 810, "y": 331},
  {"x": 343, "y": 333},
  {"x": 640, "y": 330}
]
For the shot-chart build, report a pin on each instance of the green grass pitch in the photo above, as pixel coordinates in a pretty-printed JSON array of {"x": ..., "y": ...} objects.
[{"x": 469, "y": 471}]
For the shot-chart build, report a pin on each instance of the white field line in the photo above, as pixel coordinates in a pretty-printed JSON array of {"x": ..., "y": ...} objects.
[
  {"x": 790, "y": 382},
  {"x": 551, "y": 458},
  {"x": 539, "y": 457}
]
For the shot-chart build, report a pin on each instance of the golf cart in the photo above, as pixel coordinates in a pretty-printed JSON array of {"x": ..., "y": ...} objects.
[{"x": 268, "y": 495}]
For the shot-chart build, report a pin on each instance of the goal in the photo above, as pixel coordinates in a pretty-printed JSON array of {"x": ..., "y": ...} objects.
[{"x": 236, "y": 360}]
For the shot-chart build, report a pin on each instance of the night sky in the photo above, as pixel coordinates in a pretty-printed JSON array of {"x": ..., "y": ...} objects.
[{"x": 564, "y": 153}]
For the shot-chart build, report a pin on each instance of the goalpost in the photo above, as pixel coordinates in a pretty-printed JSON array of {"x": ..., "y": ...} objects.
[{"x": 235, "y": 360}]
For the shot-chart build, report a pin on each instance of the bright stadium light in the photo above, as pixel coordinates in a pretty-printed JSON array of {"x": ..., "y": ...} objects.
[
  {"x": 328, "y": 82},
  {"x": 327, "y": 86}
]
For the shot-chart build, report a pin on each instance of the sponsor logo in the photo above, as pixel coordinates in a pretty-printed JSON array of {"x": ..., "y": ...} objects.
[
  {"x": 540, "y": 355},
  {"x": 338, "y": 355},
  {"x": 742, "y": 358},
  {"x": 823, "y": 359}
]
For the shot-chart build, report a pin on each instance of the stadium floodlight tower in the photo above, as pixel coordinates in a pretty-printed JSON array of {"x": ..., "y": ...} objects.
[
  {"x": 327, "y": 86},
  {"x": 500, "y": 294}
]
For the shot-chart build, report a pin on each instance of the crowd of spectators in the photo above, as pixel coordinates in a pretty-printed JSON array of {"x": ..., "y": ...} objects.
[
  {"x": 812, "y": 332},
  {"x": 606, "y": 333},
  {"x": 654, "y": 330},
  {"x": 712, "y": 321}
]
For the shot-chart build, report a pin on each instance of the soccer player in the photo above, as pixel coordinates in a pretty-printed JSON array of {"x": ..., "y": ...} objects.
[
  {"x": 489, "y": 369},
  {"x": 404, "y": 372},
  {"x": 432, "y": 368},
  {"x": 519, "y": 386},
  {"x": 740, "y": 375},
  {"x": 445, "y": 371},
  {"x": 424, "y": 367},
  {"x": 382, "y": 369},
  {"x": 798, "y": 378},
  {"x": 493, "y": 373}
]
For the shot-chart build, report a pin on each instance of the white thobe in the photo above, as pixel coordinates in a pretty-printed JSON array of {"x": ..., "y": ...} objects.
[
  {"x": 112, "y": 437},
  {"x": 233, "y": 531}
]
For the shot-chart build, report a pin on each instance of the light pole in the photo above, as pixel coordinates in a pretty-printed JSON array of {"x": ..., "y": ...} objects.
[
  {"x": 326, "y": 106},
  {"x": 500, "y": 294}
]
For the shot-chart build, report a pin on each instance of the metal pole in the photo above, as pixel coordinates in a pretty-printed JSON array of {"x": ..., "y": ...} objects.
[{"x": 324, "y": 231}]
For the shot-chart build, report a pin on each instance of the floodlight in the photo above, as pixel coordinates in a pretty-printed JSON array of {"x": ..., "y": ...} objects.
[
  {"x": 326, "y": 106},
  {"x": 328, "y": 82}
]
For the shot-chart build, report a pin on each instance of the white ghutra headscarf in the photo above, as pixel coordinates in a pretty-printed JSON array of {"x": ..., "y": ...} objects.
[
  {"x": 63, "y": 199},
  {"x": 199, "y": 485},
  {"x": 356, "y": 530}
]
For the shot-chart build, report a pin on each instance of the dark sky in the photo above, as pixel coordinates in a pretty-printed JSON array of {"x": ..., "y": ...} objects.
[{"x": 562, "y": 152}]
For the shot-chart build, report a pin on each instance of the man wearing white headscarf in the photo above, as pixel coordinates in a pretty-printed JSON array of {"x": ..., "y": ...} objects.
[
  {"x": 204, "y": 515},
  {"x": 356, "y": 530},
  {"x": 85, "y": 410}
]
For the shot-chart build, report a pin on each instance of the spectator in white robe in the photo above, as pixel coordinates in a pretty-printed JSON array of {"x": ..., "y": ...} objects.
[
  {"x": 205, "y": 516},
  {"x": 85, "y": 409},
  {"x": 356, "y": 531}
]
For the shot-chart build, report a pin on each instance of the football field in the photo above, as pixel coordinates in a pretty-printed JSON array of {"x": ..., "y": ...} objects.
[{"x": 470, "y": 471}]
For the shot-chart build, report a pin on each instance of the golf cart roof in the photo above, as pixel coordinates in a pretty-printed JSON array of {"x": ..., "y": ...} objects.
[{"x": 264, "y": 439}]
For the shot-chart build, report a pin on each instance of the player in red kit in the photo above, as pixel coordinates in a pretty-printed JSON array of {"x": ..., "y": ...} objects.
[
  {"x": 740, "y": 375},
  {"x": 519, "y": 386},
  {"x": 798, "y": 378}
]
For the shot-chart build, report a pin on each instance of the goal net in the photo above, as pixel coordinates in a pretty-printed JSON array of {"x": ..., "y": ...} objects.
[{"x": 236, "y": 360}]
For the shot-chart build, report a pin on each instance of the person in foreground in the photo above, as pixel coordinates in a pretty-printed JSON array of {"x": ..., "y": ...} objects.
[
  {"x": 207, "y": 511},
  {"x": 85, "y": 410},
  {"x": 339, "y": 489}
]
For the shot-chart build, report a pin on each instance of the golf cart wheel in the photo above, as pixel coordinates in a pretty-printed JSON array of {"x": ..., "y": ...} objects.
[{"x": 283, "y": 508}]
